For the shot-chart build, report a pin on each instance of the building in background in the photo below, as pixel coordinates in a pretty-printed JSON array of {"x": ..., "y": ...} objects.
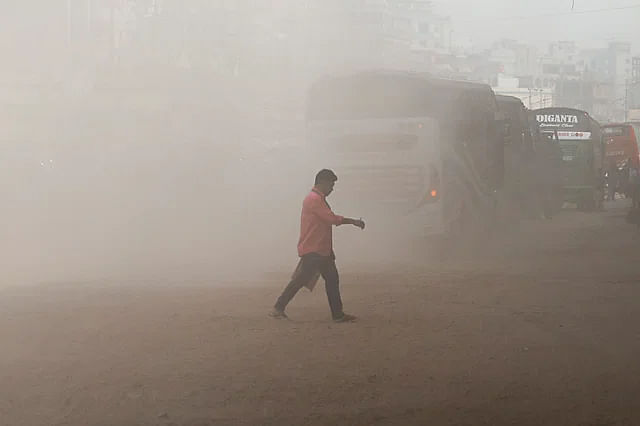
[
  {"x": 191, "y": 59},
  {"x": 599, "y": 81},
  {"x": 633, "y": 91}
]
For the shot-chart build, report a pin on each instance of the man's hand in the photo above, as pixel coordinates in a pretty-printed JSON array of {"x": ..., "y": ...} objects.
[{"x": 355, "y": 222}]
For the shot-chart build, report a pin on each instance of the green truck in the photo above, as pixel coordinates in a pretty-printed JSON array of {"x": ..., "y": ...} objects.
[{"x": 580, "y": 139}]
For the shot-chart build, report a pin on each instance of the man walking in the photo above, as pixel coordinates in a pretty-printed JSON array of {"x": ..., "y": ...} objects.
[{"x": 315, "y": 248}]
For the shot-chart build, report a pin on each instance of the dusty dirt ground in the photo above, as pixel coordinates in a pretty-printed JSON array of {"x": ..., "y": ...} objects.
[{"x": 542, "y": 328}]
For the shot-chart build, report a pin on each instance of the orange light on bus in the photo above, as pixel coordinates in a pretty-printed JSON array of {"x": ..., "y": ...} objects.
[{"x": 434, "y": 193}]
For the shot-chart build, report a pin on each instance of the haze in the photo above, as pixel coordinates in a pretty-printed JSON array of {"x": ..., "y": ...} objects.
[
  {"x": 154, "y": 159},
  {"x": 495, "y": 19}
]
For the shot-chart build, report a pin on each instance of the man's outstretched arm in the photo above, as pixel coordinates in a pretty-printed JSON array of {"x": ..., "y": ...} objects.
[
  {"x": 326, "y": 215},
  {"x": 355, "y": 222}
]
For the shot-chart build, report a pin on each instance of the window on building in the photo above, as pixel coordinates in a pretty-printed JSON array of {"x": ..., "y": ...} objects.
[
  {"x": 401, "y": 24},
  {"x": 423, "y": 27}
]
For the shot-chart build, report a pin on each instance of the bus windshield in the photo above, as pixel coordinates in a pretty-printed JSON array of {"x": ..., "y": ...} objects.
[{"x": 615, "y": 131}]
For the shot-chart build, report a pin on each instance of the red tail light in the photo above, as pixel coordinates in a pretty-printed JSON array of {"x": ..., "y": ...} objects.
[{"x": 434, "y": 183}]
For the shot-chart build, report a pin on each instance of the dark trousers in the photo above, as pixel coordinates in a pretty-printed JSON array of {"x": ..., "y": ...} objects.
[{"x": 311, "y": 263}]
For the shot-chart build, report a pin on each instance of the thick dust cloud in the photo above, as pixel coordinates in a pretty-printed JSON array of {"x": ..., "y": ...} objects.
[{"x": 146, "y": 140}]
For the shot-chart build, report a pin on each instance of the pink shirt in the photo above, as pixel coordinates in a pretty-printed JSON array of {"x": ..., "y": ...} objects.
[{"x": 316, "y": 224}]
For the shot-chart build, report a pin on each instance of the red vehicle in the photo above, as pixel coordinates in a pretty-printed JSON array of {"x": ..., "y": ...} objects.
[
  {"x": 622, "y": 153},
  {"x": 621, "y": 144}
]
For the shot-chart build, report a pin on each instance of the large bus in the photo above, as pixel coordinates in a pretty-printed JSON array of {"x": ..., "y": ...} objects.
[
  {"x": 409, "y": 148},
  {"x": 580, "y": 139},
  {"x": 549, "y": 169},
  {"x": 519, "y": 159},
  {"x": 532, "y": 164}
]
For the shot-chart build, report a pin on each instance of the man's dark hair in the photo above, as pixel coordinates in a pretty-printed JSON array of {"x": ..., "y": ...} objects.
[{"x": 326, "y": 175}]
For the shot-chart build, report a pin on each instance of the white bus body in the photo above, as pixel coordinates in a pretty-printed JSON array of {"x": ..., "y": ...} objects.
[{"x": 389, "y": 170}]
